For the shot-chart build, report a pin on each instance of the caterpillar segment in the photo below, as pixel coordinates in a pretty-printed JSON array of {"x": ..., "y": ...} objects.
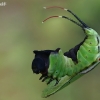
[{"x": 59, "y": 69}]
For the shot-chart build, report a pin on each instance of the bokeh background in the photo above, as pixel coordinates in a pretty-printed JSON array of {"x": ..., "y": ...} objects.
[{"x": 21, "y": 32}]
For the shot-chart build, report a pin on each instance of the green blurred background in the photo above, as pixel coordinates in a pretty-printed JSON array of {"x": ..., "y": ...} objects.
[{"x": 21, "y": 32}]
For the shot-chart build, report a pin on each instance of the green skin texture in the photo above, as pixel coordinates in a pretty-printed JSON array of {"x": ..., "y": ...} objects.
[{"x": 65, "y": 70}]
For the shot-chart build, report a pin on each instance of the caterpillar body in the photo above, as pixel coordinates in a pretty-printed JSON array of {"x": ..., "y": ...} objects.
[{"x": 59, "y": 70}]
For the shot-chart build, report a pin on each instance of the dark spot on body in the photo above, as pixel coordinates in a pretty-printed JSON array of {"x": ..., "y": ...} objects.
[
  {"x": 89, "y": 50},
  {"x": 86, "y": 56},
  {"x": 98, "y": 40},
  {"x": 98, "y": 48}
]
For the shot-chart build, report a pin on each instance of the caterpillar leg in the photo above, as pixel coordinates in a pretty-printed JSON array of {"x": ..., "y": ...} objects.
[{"x": 53, "y": 87}]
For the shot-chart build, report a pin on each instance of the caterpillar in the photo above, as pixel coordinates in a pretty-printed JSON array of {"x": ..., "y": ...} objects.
[{"x": 59, "y": 69}]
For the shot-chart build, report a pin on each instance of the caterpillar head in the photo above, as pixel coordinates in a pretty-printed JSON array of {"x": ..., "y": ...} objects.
[{"x": 40, "y": 63}]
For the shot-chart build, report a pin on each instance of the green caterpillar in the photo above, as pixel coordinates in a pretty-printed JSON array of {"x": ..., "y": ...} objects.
[{"x": 59, "y": 70}]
